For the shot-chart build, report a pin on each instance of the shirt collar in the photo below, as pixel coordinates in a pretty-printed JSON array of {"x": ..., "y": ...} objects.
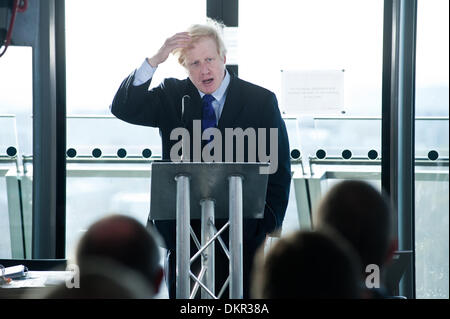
[{"x": 220, "y": 92}]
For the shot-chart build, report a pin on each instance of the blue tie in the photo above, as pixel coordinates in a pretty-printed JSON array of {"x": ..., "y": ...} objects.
[{"x": 208, "y": 113}]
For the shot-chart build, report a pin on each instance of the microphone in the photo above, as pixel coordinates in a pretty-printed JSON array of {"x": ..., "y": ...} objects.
[{"x": 184, "y": 102}]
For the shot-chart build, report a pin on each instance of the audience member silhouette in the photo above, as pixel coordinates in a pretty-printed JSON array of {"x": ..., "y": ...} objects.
[
  {"x": 102, "y": 278},
  {"x": 117, "y": 258},
  {"x": 363, "y": 216},
  {"x": 307, "y": 264}
]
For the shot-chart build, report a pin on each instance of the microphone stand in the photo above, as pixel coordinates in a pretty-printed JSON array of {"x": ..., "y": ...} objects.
[{"x": 183, "y": 108}]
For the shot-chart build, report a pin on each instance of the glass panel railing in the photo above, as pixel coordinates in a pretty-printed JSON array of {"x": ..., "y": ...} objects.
[
  {"x": 360, "y": 137},
  {"x": 337, "y": 136},
  {"x": 101, "y": 136},
  {"x": 432, "y": 137},
  {"x": 293, "y": 134},
  {"x": 432, "y": 234},
  {"x": 8, "y": 136}
]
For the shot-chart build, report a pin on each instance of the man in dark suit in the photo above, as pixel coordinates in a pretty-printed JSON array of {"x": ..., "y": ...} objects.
[{"x": 220, "y": 100}]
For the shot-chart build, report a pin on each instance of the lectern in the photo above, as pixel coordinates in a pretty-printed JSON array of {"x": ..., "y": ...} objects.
[{"x": 185, "y": 191}]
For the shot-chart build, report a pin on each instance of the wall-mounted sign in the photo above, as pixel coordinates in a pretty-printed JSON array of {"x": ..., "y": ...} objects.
[{"x": 316, "y": 92}]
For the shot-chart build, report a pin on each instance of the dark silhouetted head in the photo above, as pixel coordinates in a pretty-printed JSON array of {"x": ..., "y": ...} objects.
[
  {"x": 125, "y": 241},
  {"x": 361, "y": 215},
  {"x": 307, "y": 264}
]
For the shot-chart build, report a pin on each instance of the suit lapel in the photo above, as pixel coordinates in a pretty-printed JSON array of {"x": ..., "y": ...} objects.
[
  {"x": 193, "y": 111},
  {"x": 233, "y": 105}
]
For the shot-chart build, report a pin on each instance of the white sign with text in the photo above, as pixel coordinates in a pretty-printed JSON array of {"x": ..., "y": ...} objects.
[{"x": 314, "y": 92}]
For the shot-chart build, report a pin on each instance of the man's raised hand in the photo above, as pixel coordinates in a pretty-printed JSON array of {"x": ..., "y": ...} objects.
[{"x": 179, "y": 40}]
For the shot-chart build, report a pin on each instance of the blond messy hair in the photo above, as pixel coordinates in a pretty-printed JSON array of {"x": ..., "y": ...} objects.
[{"x": 211, "y": 29}]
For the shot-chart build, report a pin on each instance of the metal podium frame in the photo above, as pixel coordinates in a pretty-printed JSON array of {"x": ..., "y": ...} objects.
[{"x": 173, "y": 198}]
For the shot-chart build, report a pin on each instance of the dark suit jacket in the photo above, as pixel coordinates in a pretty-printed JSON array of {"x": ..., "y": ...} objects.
[{"x": 246, "y": 105}]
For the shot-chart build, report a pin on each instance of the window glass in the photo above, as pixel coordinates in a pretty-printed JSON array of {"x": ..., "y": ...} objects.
[
  {"x": 315, "y": 36},
  {"x": 431, "y": 179},
  {"x": 16, "y": 128},
  {"x": 106, "y": 41},
  {"x": 329, "y": 38}
]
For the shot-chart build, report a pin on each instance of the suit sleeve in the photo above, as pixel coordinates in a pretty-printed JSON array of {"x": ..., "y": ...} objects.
[
  {"x": 138, "y": 105},
  {"x": 279, "y": 183}
]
